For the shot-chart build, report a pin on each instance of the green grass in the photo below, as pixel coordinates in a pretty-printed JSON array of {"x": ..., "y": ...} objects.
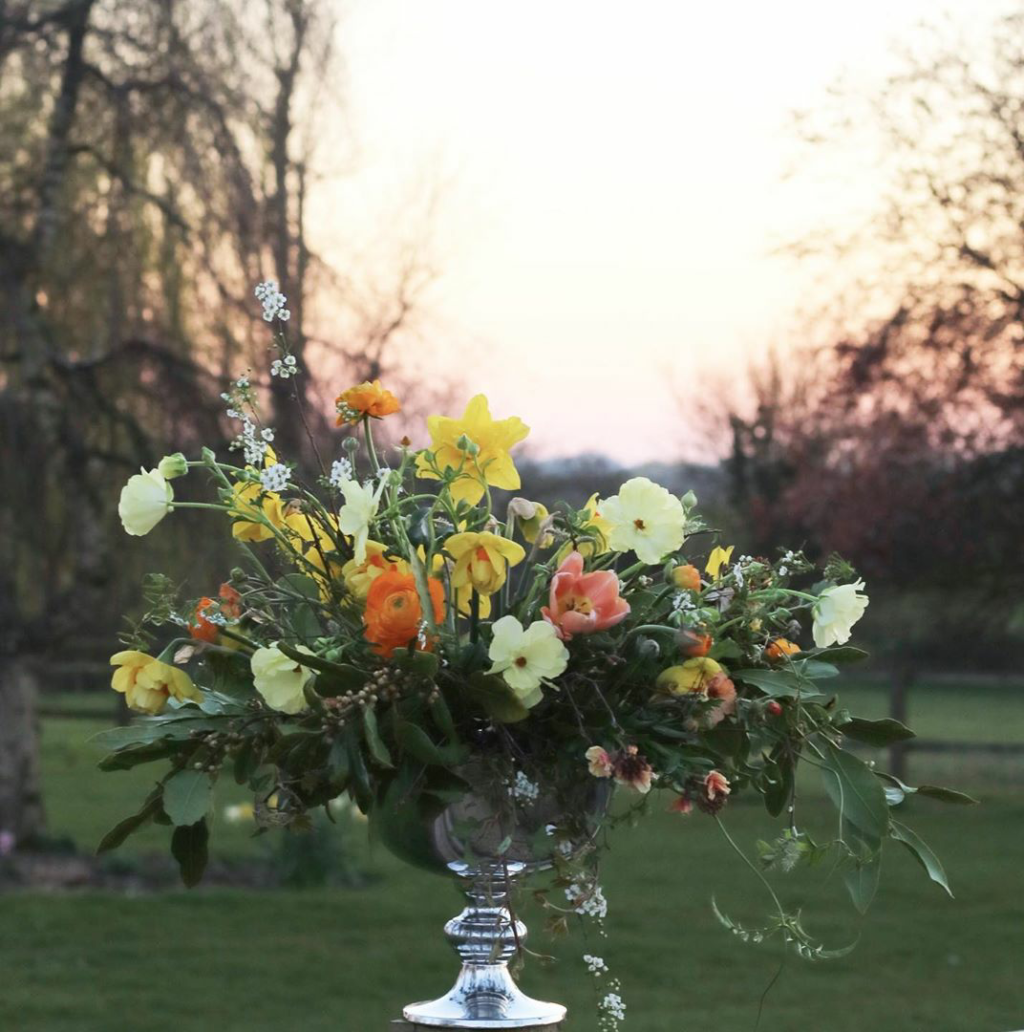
[{"x": 347, "y": 959}]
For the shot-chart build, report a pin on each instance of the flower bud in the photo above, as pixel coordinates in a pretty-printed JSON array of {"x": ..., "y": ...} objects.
[
  {"x": 689, "y": 500},
  {"x": 172, "y": 466},
  {"x": 209, "y": 457},
  {"x": 351, "y": 445},
  {"x": 686, "y": 578},
  {"x": 774, "y": 708}
]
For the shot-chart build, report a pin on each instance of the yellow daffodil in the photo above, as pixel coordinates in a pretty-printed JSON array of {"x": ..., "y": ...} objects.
[
  {"x": 719, "y": 557},
  {"x": 691, "y": 676},
  {"x": 646, "y": 519},
  {"x": 482, "y": 561},
  {"x": 147, "y": 683},
  {"x": 359, "y": 576},
  {"x": 532, "y": 525},
  {"x": 484, "y": 455},
  {"x": 250, "y": 501}
]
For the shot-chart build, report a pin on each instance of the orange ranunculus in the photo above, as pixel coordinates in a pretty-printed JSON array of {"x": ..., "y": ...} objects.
[
  {"x": 780, "y": 648},
  {"x": 367, "y": 399},
  {"x": 693, "y": 644},
  {"x": 393, "y": 612},
  {"x": 229, "y": 602},
  {"x": 686, "y": 578}
]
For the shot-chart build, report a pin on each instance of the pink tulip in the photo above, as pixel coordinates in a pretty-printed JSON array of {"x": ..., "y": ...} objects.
[{"x": 582, "y": 603}]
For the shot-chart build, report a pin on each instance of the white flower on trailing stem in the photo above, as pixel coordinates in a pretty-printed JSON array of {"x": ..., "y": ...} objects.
[
  {"x": 525, "y": 657},
  {"x": 644, "y": 518},
  {"x": 279, "y": 679},
  {"x": 275, "y": 477},
  {"x": 838, "y": 608},
  {"x": 145, "y": 500},
  {"x": 358, "y": 512},
  {"x": 341, "y": 470}
]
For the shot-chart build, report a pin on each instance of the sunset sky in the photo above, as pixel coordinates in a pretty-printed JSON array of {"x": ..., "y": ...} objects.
[{"x": 612, "y": 189}]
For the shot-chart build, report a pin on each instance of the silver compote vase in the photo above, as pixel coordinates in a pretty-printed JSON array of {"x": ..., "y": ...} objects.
[{"x": 490, "y": 841}]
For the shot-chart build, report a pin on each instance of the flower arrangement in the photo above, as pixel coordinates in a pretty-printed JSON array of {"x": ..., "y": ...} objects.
[{"x": 389, "y": 624}]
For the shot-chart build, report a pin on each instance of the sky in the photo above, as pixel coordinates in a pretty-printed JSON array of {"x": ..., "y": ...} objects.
[{"x": 612, "y": 190}]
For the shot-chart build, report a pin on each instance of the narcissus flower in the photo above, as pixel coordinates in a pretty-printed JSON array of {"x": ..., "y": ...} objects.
[
  {"x": 315, "y": 542},
  {"x": 280, "y": 680},
  {"x": 581, "y": 603},
  {"x": 531, "y": 526},
  {"x": 836, "y": 611},
  {"x": 145, "y": 500},
  {"x": 359, "y": 576},
  {"x": 644, "y": 518},
  {"x": 394, "y": 616},
  {"x": 492, "y": 440},
  {"x": 366, "y": 399},
  {"x": 147, "y": 683},
  {"x": 599, "y": 763},
  {"x": 780, "y": 648},
  {"x": 482, "y": 561},
  {"x": 719, "y": 557},
  {"x": 691, "y": 676},
  {"x": 686, "y": 578},
  {"x": 526, "y": 656},
  {"x": 358, "y": 512},
  {"x": 249, "y": 503}
]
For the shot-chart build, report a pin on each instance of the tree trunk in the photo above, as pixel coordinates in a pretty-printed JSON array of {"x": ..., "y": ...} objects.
[{"x": 21, "y": 800}]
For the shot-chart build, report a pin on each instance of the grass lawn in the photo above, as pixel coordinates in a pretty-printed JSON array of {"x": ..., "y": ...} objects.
[{"x": 347, "y": 959}]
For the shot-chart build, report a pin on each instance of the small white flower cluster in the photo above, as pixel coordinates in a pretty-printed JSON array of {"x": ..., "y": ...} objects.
[
  {"x": 384, "y": 471},
  {"x": 595, "y": 965},
  {"x": 212, "y": 614},
  {"x": 273, "y": 301},
  {"x": 276, "y": 477},
  {"x": 683, "y": 602},
  {"x": 421, "y": 635},
  {"x": 341, "y": 472},
  {"x": 614, "y": 1006},
  {"x": 284, "y": 367},
  {"x": 524, "y": 789},
  {"x": 589, "y": 902},
  {"x": 252, "y": 442}
]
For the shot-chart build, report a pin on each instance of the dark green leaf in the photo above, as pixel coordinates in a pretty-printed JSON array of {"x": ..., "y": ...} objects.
[
  {"x": 189, "y": 846},
  {"x": 725, "y": 648},
  {"x": 815, "y": 669},
  {"x": 300, "y": 584},
  {"x": 778, "y": 684},
  {"x": 946, "y": 795},
  {"x": 187, "y": 796},
  {"x": 838, "y": 654},
  {"x": 116, "y": 836},
  {"x": 152, "y": 729},
  {"x": 305, "y": 623},
  {"x": 876, "y": 732},
  {"x": 923, "y": 852},
  {"x": 857, "y": 794},
  {"x": 778, "y": 789},
  {"x": 496, "y": 698},
  {"x": 378, "y": 750},
  {"x": 862, "y": 878},
  {"x": 128, "y": 758},
  {"x": 443, "y": 718}
]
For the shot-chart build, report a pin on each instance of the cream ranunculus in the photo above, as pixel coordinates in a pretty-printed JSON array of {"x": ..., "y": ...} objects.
[
  {"x": 358, "y": 512},
  {"x": 644, "y": 518},
  {"x": 836, "y": 611},
  {"x": 280, "y": 680},
  {"x": 145, "y": 500},
  {"x": 525, "y": 657}
]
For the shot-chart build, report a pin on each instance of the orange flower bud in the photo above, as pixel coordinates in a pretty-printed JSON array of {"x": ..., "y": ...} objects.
[
  {"x": 780, "y": 648},
  {"x": 686, "y": 578},
  {"x": 693, "y": 644}
]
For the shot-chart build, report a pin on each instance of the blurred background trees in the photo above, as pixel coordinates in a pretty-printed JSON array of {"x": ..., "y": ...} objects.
[{"x": 156, "y": 161}]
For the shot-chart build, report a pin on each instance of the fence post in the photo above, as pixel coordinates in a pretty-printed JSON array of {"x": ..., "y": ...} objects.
[{"x": 899, "y": 691}]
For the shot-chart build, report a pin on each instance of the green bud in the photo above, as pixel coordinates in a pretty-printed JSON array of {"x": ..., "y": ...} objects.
[
  {"x": 209, "y": 457},
  {"x": 351, "y": 445},
  {"x": 689, "y": 500},
  {"x": 172, "y": 466}
]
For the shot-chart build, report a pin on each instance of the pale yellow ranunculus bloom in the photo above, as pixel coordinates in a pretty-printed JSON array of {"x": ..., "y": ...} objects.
[
  {"x": 644, "y": 518},
  {"x": 526, "y": 656},
  {"x": 145, "y": 500},
  {"x": 279, "y": 679}
]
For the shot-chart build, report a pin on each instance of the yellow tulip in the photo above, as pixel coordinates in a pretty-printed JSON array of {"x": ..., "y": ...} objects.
[{"x": 691, "y": 676}]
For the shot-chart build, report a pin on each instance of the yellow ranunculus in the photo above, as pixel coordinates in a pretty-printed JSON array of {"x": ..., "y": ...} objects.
[
  {"x": 481, "y": 564},
  {"x": 147, "y": 683},
  {"x": 250, "y": 500},
  {"x": 491, "y": 437},
  {"x": 719, "y": 557},
  {"x": 691, "y": 676}
]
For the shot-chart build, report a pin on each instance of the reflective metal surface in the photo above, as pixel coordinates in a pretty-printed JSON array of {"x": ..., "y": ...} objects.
[{"x": 489, "y": 841}]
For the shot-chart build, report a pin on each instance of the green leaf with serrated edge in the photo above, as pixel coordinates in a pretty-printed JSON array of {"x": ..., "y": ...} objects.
[
  {"x": 187, "y": 796},
  {"x": 876, "y": 732},
  {"x": 923, "y": 852},
  {"x": 778, "y": 684},
  {"x": 190, "y": 847},
  {"x": 856, "y": 793},
  {"x": 117, "y": 835},
  {"x": 378, "y": 750}
]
